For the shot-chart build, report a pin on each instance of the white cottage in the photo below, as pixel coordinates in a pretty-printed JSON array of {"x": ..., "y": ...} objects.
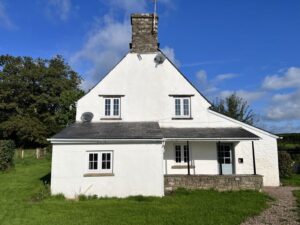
[{"x": 145, "y": 121}]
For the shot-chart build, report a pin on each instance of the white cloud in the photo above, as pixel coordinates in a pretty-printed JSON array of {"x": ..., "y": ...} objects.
[
  {"x": 249, "y": 96},
  {"x": 226, "y": 76},
  {"x": 170, "y": 53},
  {"x": 288, "y": 78},
  {"x": 202, "y": 77},
  {"x": 128, "y": 5},
  {"x": 60, "y": 8},
  {"x": 5, "y": 20},
  {"x": 104, "y": 47},
  {"x": 138, "y": 6},
  {"x": 284, "y": 107}
]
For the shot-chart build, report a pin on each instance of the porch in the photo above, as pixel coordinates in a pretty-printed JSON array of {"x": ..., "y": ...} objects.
[{"x": 210, "y": 158}]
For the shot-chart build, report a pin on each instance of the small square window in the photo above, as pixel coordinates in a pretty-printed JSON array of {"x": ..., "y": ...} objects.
[
  {"x": 103, "y": 159},
  {"x": 182, "y": 107},
  {"x": 112, "y": 107}
]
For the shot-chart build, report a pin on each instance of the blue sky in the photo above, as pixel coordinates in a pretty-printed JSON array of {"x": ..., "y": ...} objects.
[{"x": 223, "y": 46}]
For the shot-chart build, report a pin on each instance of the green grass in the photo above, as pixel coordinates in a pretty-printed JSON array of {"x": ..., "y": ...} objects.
[
  {"x": 25, "y": 200},
  {"x": 294, "y": 180},
  {"x": 297, "y": 195}
]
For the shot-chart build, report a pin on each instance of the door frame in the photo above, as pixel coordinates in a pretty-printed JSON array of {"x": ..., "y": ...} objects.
[{"x": 232, "y": 148}]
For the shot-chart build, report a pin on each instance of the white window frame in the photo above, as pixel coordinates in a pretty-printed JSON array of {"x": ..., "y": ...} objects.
[
  {"x": 183, "y": 148},
  {"x": 111, "y": 107},
  {"x": 182, "y": 108},
  {"x": 100, "y": 161}
]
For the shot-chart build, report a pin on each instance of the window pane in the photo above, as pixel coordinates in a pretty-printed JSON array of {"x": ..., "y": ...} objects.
[
  {"x": 116, "y": 106},
  {"x": 185, "y": 153},
  {"x": 186, "y": 107},
  {"x": 103, "y": 156},
  {"x": 178, "y": 153},
  {"x": 93, "y": 161},
  {"x": 108, "y": 157},
  {"x": 107, "y": 107},
  {"x": 108, "y": 165},
  {"x": 177, "y": 107},
  {"x": 103, "y": 165}
]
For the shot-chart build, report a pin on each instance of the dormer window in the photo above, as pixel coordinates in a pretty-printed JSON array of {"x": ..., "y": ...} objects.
[
  {"x": 182, "y": 107},
  {"x": 112, "y": 107}
]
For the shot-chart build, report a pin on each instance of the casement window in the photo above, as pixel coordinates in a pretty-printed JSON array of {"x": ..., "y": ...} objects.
[
  {"x": 100, "y": 162},
  {"x": 182, "y": 107},
  {"x": 181, "y": 153},
  {"x": 112, "y": 107}
]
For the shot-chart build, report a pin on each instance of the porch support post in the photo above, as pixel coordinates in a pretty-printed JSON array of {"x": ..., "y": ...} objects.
[
  {"x": 253, "y": 156},
  {"x": 188, "y": 157},
  {"x": 219, "y": 158}
]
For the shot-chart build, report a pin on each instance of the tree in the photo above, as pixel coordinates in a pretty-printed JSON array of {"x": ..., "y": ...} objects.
[
  {"x": 235, "y": 107},
  {"x": 37, "y": 98}
]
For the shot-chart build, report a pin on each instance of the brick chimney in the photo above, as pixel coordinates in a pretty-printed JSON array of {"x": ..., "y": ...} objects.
[{"x": 144, "y": 33}]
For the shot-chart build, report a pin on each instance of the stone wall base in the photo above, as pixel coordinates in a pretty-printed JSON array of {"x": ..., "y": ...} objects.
[{"x": 216, "y": 182}]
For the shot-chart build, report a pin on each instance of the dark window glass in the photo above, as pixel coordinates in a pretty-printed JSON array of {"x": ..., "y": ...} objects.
[
  {"x": 107, "y": 107},
  {"x": 116, "y": 107},
  {"x": 106, "y": 160},
  {"x": 186, "y": 107},
  {"x": 178, "y": 153},
  {"x": 93, "y": 161},
  {"x": 177, "y": 107},
  {"x": 185, "y": 153}
]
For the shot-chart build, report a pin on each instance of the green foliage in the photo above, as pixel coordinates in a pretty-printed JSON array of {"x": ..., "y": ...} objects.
[
  {"x": 7, "y": 151},
  {"x": 21, "y": 204},
  {"x": 293, "y": 180},
  {"x": 285, "y": 164},
  {"x": 235, "y": 107},
  {"x": 37, "y": 98}
]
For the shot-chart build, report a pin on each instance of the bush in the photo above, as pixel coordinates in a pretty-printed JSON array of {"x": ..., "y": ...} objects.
[
  {"x": 285, "y": 164},
  {"x": 7, "y": 151}
]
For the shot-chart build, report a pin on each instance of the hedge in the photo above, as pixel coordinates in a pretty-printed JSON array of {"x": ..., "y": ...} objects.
[
  {"x": 7, "y": 150},
  {"x": 285, "y": 164}
]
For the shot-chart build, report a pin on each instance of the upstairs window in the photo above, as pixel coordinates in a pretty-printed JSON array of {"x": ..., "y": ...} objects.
[
  {"x": 112, "y": 107},
  {"x": 182, "y": 107}
]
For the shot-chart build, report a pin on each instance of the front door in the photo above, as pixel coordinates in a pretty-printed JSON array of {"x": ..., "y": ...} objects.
[{"x": 225, "y": 158}]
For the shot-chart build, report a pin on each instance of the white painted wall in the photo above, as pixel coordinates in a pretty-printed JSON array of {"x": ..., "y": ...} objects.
[
  {"x": 137, "y": 169},
  {"x": 147, "y": 87}
]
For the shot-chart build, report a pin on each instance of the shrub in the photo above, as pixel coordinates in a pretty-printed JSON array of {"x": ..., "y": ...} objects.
[
  {"x": 285, "y": 164},
  {"x": 7, "y": 151}
]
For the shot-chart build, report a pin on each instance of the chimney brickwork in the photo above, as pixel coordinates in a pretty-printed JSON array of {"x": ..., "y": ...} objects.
[{"x": 144, "y": 33}]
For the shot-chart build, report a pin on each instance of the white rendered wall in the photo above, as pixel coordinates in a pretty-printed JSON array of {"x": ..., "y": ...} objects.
[
  {"x": 146, "y": 88},
  {"x": 137, "y": 169}
]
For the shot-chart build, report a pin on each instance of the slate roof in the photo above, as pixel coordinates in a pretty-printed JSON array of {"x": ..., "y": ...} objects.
[
  {"x": 111, "y": 130},
  {"x": 230, "y": 133},
  {"x": 146, "y": 130}
]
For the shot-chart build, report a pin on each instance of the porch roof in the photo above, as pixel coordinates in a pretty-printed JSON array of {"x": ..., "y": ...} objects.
[
  {"x": 147, "y": 131},
  {"x": 232, "y": 133}
]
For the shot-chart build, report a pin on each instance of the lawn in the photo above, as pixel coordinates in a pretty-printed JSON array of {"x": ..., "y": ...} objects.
[
  {"x": 24, "y": 200},
  {"x": 294, "y": 180}
]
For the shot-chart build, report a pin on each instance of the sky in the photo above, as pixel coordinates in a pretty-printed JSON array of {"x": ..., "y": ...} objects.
[{"x": 251, "y": 48}]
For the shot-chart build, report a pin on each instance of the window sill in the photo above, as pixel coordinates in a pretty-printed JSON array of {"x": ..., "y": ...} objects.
[
  {"x": 182, "y": 118},
  {"x": 111, "y": 118},
  {"x": 182, "y": 167},
  {"x": 98, "y": 175}
]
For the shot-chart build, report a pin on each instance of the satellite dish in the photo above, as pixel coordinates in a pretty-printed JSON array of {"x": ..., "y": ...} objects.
[
  {"x": 159, "y": 58},
  {"x": 87, "y": 117}
]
